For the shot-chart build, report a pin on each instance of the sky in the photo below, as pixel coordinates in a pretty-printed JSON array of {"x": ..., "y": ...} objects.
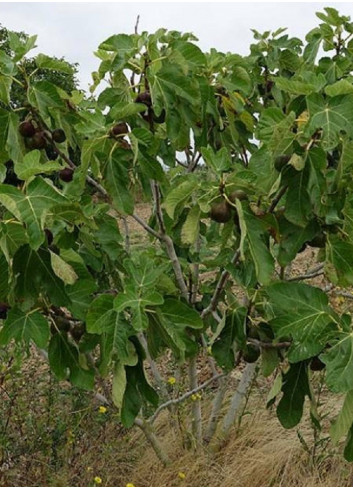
[{"x": 74, "y": 30}]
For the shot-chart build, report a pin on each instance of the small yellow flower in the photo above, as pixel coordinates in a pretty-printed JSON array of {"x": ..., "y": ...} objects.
[
  {"x": 97, "y": 480},
  {"x": 194, "y": 397},
  {"x": 102, "y": 409},
  {"x": 181, "y": 475},
  {"x": 171, "y": 380},
  {"x": 89, "y": 469},
  {"x": 130, "y": 484}
]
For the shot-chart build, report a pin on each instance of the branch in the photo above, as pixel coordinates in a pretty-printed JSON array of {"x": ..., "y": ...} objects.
[
  {"x": 184, "y": 396},
  {"x": 148, "y": 431},
  {"x": 146, "y": 226},
  {"x": 316, "y": 272},
  {"x": 137, "y": 24},
  {"x": 219, "y": 287},
  {"x": 266, "y": 345},
  {"x": 277, "y": 199}
]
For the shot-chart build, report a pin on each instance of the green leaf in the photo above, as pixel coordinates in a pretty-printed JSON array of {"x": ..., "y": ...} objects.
[
  {"x": 46, "y": 62},
  {"x": 230, "y": 331},
  {"x": 332, "y": 116},
  {"x": 64, "y": 362},
  {"x": 136, "y": 302},
  {"x": 25, "y": 327},
  {"x": 31, "y": 209},
  {"x": 295, "y": 387},
  {"x": 253, "y": 233},
  {"x": 303, "y": 312},
  {"x": 339, "y": 364},
  {"x": 341, "y": 87},
  {"x": 344, "y": 421},
  {"x": 119, "y": 384},
  {"x": 31, "y": 165},
  {"x": 181, "y": 314},
  {"x": 62, "y": 269},
  {"x": 191, "y": 226},
  {"x": 339, "y": 261},
  {"x": 45, "y": 96},
  {"x": 178, "y": 195},
  {"x": 35, "y": 275}
]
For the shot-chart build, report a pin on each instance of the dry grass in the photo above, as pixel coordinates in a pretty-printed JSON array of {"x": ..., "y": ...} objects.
[{"x": 56, "y": 437}]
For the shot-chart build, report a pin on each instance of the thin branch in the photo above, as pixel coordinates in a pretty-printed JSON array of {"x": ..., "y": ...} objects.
[
  {"x": 277, "y": 198},
  {"x": 184, "y": 396},
  {"x": 146, "y": 226},
  {"x": 219, "y": 287},
  {"x": 316, "y": 272},
  {"x": 137, "y": 24},
  {"x": 267, "y": 345}
]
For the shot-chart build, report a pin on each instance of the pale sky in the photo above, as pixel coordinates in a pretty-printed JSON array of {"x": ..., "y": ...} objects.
[{"x": 74, "y": 30}]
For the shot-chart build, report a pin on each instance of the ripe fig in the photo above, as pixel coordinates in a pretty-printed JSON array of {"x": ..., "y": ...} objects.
[
  {"x": 251, "y": 353},
  {"x": 316, "y": 364},
  {"x": 59, "y": 135},
  {"x": 3, "y": 310},
  {"x": 119, "y": 129},
  {"x": 66, "y": 175},
  {"x": 144, "y": 98},
  {"x": 27, "y": 129},
  {"x": 221, "y": 212}
]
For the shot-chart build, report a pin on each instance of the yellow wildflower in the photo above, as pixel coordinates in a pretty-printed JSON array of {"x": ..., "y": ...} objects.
[
  {"x": 102, "y": 409},
  {"x": 171, "y": 380},
  {"x": 181, "y": 475},
  {"x": 130, "y": 484},
  {"x": 97, "y": 480}
]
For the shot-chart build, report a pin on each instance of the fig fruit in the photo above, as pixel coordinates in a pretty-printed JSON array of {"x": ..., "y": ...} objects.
[
  {"x": 59, "y": 135},
  {"x": 26, "y": 129},
  {"x": 221, "y": 212},
  {"x": 66, "y": 175}
]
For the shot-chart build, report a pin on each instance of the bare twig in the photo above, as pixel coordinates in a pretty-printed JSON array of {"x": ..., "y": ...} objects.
[
  {"x": 267, "y": 345},
  {"x": 219, "y": 287},
  {"x": 146, "y": 226},
  {"x": 277, "y": 198},
  {"x": 316, "y": 272},
  {"x": 185, "y": 396},
  {"x": 137, "y": 24}
]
